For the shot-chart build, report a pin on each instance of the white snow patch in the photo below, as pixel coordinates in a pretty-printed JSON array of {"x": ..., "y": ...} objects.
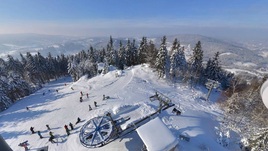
[
  {"x": 237, "y": 71},
  {"x": 245, "y": 64},
  {"x": 10, "y": 45},
  {"x": 264, "y": 54},
  {"x": 227, "y": 54},
  {"x": 55, "y": 46}
]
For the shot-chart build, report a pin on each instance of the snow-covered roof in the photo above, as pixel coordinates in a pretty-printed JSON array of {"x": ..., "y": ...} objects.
[{"x": 156, "y": 136}]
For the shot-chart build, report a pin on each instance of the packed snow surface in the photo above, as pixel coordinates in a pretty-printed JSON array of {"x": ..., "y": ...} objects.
[{"x": 129, "y": 94}]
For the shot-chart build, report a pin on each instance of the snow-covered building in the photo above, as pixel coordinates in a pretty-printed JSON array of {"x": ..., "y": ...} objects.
[
  {"x": 156, "y": 136},
  {"x": 3, "y": 145}
]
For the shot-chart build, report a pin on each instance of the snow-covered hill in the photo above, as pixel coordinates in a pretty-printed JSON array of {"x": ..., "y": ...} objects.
[{"x": 129, "y": 96}]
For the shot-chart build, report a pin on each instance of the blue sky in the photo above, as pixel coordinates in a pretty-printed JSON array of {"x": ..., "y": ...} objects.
[{"x": 134, "y": 17}]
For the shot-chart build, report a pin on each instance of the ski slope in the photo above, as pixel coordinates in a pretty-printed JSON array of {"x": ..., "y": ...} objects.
[{"x": 129, "y": 96}]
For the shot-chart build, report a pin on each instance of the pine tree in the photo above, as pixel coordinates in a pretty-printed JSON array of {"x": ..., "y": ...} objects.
[
  {"x": 14, "y": 65},
  {"x": 143, "y": 51},
  {"x": 5, "y": 102},
  {"x": 50, "y": 63},
  {"x": 197, "y": 58},
  {"x": 173, "y": 63},
  {"x": 213, "y": 69},
  {"x": 17, "y": 87},
  {"x": 31, "y": 69},
  {"x": 121, "y": 56},
  {"x": 82, "y": 55},
  {"x": 111, "y": 53},
  {"x": 40, "y": 63},
  {"x": 72, "y": 68},
  {"x": 3, "y": 68},
  {"x": 63, "y": 64},
  {"x": 178, "y": 63},
  {"x": 23, "y": 60},
  {"x": 134, "y": 57},
  {"x": 102, "y": 55},
  {"x": 128, "y": 53},
  {"x": 182, "y": 63},
  {"x": 92, "y": 56},
  {"x": 196, "y": 62},
  {"x": 162, "y": 61},
  {"x": 174, "y": 59},
  {"x": 152, "y": 53}
]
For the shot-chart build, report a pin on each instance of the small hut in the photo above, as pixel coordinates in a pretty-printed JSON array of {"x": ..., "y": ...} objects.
[{"x": 156, "y": 136}]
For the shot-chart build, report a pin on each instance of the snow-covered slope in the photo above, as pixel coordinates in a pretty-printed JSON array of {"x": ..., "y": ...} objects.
[{"x": 129, "y": 96}]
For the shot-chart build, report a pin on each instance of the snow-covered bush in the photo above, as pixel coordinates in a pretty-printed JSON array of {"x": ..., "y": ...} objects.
[
  {"x": 223, "y": 138},
  {"x": 246, "y": 114}
]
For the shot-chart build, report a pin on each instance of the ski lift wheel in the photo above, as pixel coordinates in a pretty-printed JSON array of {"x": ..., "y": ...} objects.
[{"x": 96, "y": 132}]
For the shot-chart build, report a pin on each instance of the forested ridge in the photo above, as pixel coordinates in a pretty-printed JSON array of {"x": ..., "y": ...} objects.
[{"x": 21, "y": 77}]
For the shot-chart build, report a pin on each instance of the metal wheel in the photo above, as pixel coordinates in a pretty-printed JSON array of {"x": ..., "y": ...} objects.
[{"x": 96, "y": 132}]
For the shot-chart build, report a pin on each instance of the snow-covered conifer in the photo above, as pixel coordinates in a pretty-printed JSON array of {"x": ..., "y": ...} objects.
[
  {"x": 111, "y": 53},
  {"x": 14, "y": 65},
  {"x": 32, "y": 72},
  {"x": 50, "y": 63},
  {"x": 152, "y": 53},
  {"x": 178, "y": 62},
  {"x": 5, "y": 102},
  {"x": 72, "y": 68},
  {"x": 143, "y": 50},
  {"x": 128, "y": 53},
  {"x": 134, "y": 57},
  {"x": 213, "y": 69},
  {"x": 121, "y": 56},
  {"x": 162, "y": 61},
  {"x": 92, "y": 55},
  {"x": 196, "y": 66}
]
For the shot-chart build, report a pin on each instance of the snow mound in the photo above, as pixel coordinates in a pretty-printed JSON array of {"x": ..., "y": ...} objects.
[{"x": 124, "y": 108}]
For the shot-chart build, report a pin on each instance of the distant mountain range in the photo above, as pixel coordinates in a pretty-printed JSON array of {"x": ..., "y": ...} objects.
[{"x": 243, "y": 55}]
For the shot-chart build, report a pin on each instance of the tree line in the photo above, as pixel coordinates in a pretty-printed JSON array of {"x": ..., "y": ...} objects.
[
  {"x": 171, "y": 65},
  {"x": 20, "y": 78}
]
